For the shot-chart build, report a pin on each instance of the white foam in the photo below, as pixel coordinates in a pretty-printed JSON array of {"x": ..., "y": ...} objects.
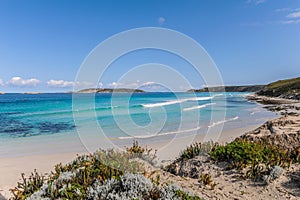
[
  {"x": 217, "y": 95},
  {"x": 159, "y": 134},
  {"x": 152, "y": 105},
  {"x": 222, "y": 122},
  {"x": 198, "y": 107},
  {"x": 198, "y": 99}
]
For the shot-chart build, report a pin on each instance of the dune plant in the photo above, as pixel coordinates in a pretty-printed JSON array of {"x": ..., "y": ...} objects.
[
  {"x": 70, "y": 181},
  {"x": 196, "y": 149},
  {"x": 105, "y": 174},
  {"x": 258, "y": 156},
  {"x": 135, "y": 186},
  {"x": 145, "y": 153},
  {"x": 28, "y": 185}
]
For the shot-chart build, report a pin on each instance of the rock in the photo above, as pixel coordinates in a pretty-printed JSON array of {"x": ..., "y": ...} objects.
[{"x": 275, "y": 173}]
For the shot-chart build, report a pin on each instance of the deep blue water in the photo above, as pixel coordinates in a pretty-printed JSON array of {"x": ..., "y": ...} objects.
[{"x": 139, "y": 114}]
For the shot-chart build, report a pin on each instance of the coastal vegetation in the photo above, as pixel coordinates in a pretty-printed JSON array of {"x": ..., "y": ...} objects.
[
  {"x": 254, "y": 158},
  {"x": 105, "y": 174}
]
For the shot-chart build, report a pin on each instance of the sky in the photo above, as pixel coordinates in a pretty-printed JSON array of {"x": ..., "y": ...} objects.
[{"x": 43, "y": 43}]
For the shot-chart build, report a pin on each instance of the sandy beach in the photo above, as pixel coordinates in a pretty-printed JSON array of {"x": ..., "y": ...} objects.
[{"x": 11, "y": 168}]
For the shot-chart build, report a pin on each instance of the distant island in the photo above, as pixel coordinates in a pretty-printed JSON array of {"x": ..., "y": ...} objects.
[
  {"x": 110, "y": 90},
  {"x": 243, "y": 88}
]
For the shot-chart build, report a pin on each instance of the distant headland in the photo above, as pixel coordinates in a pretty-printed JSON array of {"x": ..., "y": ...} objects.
[
  {"x": 243, "y": 88},
  {"x": 110, "y": 90},
  {"x": 288, "y": 89}
]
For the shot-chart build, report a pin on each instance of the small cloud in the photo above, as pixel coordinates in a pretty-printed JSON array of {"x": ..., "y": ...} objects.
[
  {"x": 256, "y": 2},
  {"x": 293, "y": 21},
  {"x": 64, "y": 84},
  {"x": 282, "y": 10},
  {"x": 154, "y": 87},
  {"x": 161, "y": 21},
  {"x": 18, "y": 81},
  {"x": 1, "y": 82},
  {"x": 149, "y": 83},
  {"x": 292, "y": 18},
  {"x": 294, "y": 15},
  {"x": 114, "y": 84},
  {"x": 100, "y": 85},
  {"x": 60, "y": 83}
]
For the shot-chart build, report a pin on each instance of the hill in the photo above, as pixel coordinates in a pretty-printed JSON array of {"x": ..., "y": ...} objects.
[
  {"x": 289, "y": 89},
  {"x": 244, "y": 88}
]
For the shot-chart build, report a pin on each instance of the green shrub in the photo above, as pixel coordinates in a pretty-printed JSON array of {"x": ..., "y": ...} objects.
[
  {"x": 71, "y": 181},
  {"x": 196, "y": 149},
  {"x": 258, "y": 156},
  {"x": 28, "y": 185},
  {"x": 137, "y": 151}
]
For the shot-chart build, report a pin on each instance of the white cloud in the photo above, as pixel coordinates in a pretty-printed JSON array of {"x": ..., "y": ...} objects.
[
  {"x": 294, "y": 15},
  {"x": 114, "y": 84},
  {"x": 148, "y": 83},
  {"x": 282, "y": 10},
  {"x": 136, "y": 84},
  {"x": 100, "y": 85},
  {"x": 256, "y": 2},
  {"x": 18, "y": 81},
  {"x": 293, "y": 21},
  {"x": 60, "y": 83},
  {"x": 1, "y": 82},
  {"x": 161, "y": 21},
  {"x": 64, "y": 84}
]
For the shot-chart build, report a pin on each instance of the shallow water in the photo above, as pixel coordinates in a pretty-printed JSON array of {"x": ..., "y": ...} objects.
[{"x": 26, "y": 119}]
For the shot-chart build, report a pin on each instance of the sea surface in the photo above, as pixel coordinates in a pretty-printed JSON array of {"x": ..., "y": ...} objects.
[{"x": 44, "y": 117}]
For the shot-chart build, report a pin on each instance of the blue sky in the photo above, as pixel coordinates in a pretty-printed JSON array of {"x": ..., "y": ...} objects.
[{"x": 43, "y": 43}]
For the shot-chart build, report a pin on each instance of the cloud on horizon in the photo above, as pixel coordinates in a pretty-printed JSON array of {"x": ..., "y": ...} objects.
[
  {"x": 66, "y": 84},
  {"x": 147, "y": 86},
  {"x": 60, "y": 83},
  {"x": 18, "y": 81}
]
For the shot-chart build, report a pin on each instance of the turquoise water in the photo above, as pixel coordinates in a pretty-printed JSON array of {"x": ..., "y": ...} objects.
[{"x": 122, "y": 116}]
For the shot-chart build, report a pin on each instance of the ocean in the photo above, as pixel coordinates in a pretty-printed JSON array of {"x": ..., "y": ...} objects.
[{"x": 29, "y": 119}]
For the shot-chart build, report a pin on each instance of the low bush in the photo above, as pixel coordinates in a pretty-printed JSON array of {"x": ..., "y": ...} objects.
[
  {"x": 258, "y": 156},
  {"x": 196, "y": 149},
  {"x": 71, "y": 181},
  {"x": 135, "y": 186},
  {"x": 105, "y": 174}
]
